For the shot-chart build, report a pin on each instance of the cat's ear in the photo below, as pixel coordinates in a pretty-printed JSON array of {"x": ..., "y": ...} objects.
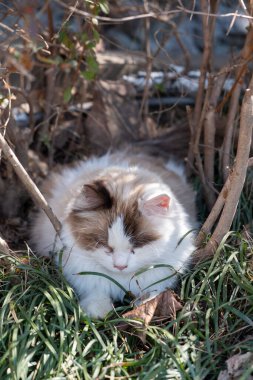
[
  {"x": 156, "y": 206},
  {"x": 93, "y": 196}
]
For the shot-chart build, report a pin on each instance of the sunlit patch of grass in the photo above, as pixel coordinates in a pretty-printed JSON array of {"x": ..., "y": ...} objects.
[{"x": 44, "y": 334}]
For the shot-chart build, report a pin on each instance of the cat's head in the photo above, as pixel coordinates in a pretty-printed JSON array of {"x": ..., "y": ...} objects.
[{"x": 121, "y": 233}]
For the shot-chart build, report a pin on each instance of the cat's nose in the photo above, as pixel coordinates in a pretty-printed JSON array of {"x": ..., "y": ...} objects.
[{"x": 120, "y": 267}]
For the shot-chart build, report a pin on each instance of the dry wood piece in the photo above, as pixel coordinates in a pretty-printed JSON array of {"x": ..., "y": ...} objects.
[
  {"x": 208, "y": 32},
  {"x": 236, "y": 366},
  {"x": 163, "y": 306},
  {"x": 246, "y": 54},
  {"x": 216, "y": 84},
  {"x": 144, "y": 103},
  {"x": 229, "y": 196},
  {"x": 4, "y": 248},
  {"x": 215, "y": 212},
  {"x": 28, "y": 183}
]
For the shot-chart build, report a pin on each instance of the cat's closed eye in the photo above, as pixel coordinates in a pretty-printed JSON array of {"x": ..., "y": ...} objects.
[
  {"x": 142, "y": 239},
  {"x": 109, "y": 249}
]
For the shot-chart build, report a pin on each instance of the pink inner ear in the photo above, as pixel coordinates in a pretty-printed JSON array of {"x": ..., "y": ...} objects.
[{"x": 158, "y": 205}]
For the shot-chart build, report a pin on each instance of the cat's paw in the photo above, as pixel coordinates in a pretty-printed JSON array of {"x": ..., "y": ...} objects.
[{"x": 96, "y": 307}]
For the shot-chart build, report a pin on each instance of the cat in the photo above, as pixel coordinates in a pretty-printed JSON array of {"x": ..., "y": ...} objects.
[{"x": 121, "y": 214}]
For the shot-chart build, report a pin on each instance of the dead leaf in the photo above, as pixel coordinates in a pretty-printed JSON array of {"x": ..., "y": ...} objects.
[
  {"x": 163, "y": 306},
  {"x": 236, "y": 365},
  {"x": 4, "y": 246},
  {"x": 26, "y": 60}
]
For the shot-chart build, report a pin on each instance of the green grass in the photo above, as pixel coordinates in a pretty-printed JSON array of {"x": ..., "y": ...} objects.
[{"x": 45, "y": 335}]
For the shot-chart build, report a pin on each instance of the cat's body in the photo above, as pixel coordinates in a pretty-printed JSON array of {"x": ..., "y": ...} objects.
[{"x": 120, "y": 213}]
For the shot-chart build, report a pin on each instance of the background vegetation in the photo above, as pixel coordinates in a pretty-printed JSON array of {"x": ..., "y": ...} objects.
[{"x": 70, "y": 88}]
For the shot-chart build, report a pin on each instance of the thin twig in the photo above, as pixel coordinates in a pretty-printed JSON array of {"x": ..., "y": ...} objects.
[
  {"x": 214, "y": 214},
  {"x": 196, "y": 150},
  {"x": 209, "y": 152},
  {"x": 63, "y": 24},
  {"x": 229, "y": 129},
  {"x": 216, "y": 84},
  {"x": 51, "y": 74},
  {"x": 144, "y": 103},
  {"x": 215, "y": 15},
  {"x": 241, "y": 2},
  {"x": 204, "y": 66},
  {"x": 7, "y": 86},
  {"x": 4, "y": 248},
  {"x": 19, "y": 67},
  {"x": 151, "y": 14},
  {"x": 208, "y": 31},
  {"x": 185, "y": 51},
  {"x": 232, "y": 189},
  {"x": 233, "y": 107},
  {"x": 27, "y": 98},
  {"x": 186, "y": 54},
  {"x": 28, "y": 183},
  {"x": 232, "y": 23}
]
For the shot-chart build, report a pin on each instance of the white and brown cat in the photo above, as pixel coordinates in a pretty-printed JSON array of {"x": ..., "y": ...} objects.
[{"x": 120, "y": 213}]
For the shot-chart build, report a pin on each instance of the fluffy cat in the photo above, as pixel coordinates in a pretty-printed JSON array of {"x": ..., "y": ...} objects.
[{"x": 120, "y": 213}]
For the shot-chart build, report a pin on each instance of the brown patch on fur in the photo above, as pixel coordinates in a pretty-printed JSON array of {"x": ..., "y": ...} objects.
[
  {"x": 137, "y": 227},
  {"x": 90, "y": 227},
  {"x": 97, "y": 197},
  {"x": 89, "y": 231},
  {"x": 180, "y": 188}
]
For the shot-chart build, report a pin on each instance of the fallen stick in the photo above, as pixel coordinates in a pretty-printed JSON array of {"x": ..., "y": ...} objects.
[
  {"x": 230, "y": 194},
  {"x": 29, "y": 184},
  {"x": 235, "y": 92},
  {"x": 4, "y": 248}
]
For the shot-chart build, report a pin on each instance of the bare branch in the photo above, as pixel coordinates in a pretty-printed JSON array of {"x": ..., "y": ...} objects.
[
  {"x": 215, "y": 15},
  {"x": 4, "y": 248},
  {"x": 151, "y": 14},
  {"x": 198, "y": 117},
  {"x": 209, "y": 152},
  {"x": 241, "y": 2},
  {"x": 233, "y": 107},
  {"x": 196, "y": 150},
  {"x": 213, "y": 216},
  {"x": 66, "y": 20},
  {"x": 144, "y": 103},
  {"x": 29, "y": 184},
  {"x": 204, "y": 65},
  {"x": 232, "y": 189},
  {"x": 229, "y": 129},
  {"x": 50, "y": 86},
  {"x": 216, "y": 84}
]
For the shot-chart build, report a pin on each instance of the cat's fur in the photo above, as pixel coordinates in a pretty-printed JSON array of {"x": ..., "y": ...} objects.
[{"x": 120, "y": 213}]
